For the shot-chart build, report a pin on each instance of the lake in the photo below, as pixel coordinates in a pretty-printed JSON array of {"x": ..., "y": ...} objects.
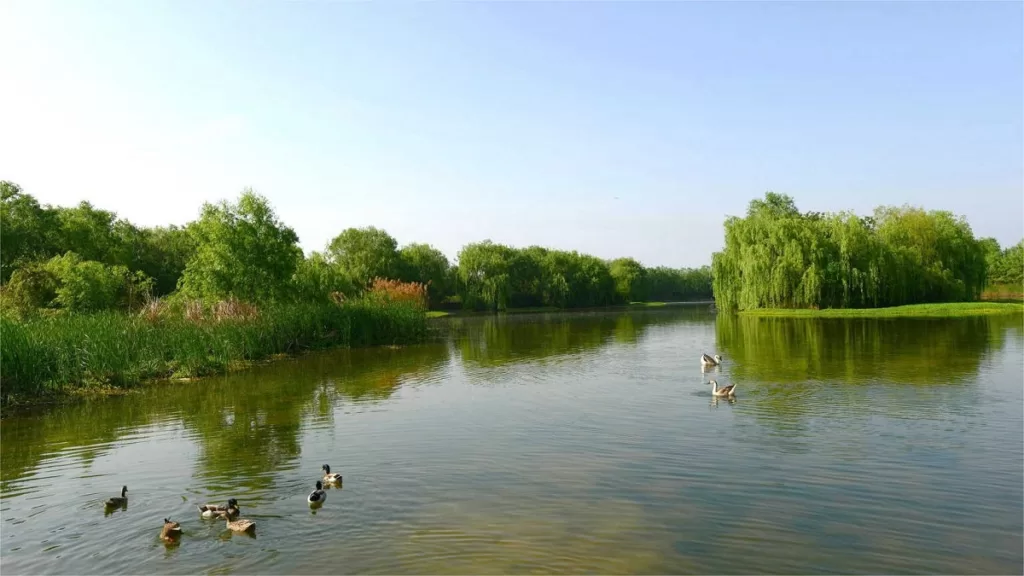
[{"x": 552, "y": 443}]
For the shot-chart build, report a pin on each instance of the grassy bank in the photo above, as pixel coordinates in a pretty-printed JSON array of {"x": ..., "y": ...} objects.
[
  {"x": 948, "y": 310},
  {"x": 73, "y": 352}
]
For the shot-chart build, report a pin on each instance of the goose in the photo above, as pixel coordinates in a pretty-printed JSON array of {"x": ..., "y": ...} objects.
[
  {"x": 215, "y": 511},
  {"x": 171, "y": 530},
  {"x": 241, "y": 525},
  {"x": 710, "y": 361},
  {"x": 318, "y": 496},
  {"x": 119, "y": 500},
  {"x": 329, "y": 477},
  {"x": 729, "y": 390}
]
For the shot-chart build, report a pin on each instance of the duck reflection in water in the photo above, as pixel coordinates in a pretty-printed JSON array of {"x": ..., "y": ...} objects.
[{"x": 715, "y": 400}]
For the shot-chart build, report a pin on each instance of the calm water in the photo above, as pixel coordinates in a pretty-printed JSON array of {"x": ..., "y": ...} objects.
[{"x": 562, "y": 443}]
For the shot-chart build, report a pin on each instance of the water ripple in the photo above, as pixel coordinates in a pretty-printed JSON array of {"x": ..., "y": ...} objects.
[{"x": 551, "y": 445}]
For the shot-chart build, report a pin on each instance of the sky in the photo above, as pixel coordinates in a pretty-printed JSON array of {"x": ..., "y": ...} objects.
[{"x": 613, "y": 128}]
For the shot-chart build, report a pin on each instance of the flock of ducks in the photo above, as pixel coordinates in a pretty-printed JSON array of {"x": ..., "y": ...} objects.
[
  {"x": 725, "y": 391},
  {"x": 171, "y": 530}
]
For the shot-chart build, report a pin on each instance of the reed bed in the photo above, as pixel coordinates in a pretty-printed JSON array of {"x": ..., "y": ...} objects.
[{"x": 67, "y": 352}]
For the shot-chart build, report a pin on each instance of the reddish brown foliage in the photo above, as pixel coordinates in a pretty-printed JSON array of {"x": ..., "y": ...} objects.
[{"x": 398, "y": 291}]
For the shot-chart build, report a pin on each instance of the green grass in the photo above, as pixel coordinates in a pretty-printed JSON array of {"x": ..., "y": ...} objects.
[
  {"x": 948, "y": 310},
  {"x": 647, "y": 304},
  {"x": 75, "y": 352},
  {"x": 438, "y": 314}
]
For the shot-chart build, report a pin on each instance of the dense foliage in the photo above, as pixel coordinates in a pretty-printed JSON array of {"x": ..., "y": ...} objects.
[
  {"x": 495, "y": 276},
  {"x": 86, "y": 259},
  {"x": 31, "y": 233},
  {"x": 777, "y": 257},
  {"x": 242, "y": 251},
  {"x": 1006, "y": 266}
]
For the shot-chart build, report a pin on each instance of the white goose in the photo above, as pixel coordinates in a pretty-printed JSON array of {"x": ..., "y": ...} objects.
[
  {"x": 706, "y": 360},
  {"x": 729, "y": 391}
]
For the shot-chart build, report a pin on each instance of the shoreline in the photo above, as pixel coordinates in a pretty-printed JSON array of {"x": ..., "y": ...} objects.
[
  {"x": 18, "y": 402},
  {"x": 944, "y": 310},
  {"x": 433, "y": 314}
]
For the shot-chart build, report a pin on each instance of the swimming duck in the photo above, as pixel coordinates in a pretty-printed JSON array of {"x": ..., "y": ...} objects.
[
  {"x": 215, "y": 511},
  {"x": 318, "y": 496},
  {"x": 706, "y": 360},
  {"x": 329, "y": 477},
  {"x": 729, "y": 390},
  {"x": 119, "y": 500},
  {"x": 241, "y": 525},
  {"x": 171, "y": 530}
]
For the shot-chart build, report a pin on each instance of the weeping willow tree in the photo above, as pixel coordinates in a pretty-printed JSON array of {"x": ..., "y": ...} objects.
[{"x": 778, "y": 257}]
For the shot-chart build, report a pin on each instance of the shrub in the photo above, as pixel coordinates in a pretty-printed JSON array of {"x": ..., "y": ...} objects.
[{"x": 31, "y": 287}]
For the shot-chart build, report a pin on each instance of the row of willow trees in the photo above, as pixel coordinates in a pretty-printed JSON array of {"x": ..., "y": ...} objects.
[
  {"x": 83, "y": 259},
  {"x": 778, "y": 257},
  {"x": 496, "y": 276}
]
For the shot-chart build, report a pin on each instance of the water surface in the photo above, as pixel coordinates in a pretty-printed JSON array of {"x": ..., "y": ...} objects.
[{"x": 553, "y": 443}]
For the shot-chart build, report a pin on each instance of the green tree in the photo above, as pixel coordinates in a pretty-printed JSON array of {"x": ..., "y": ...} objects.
[
  {"x": 425, "y": 264},
  {"x": 26, "y": 229},
  {"x": 778, "y": 257},
  {"x": 990, "y": 248},
  {"x": 162, "y": 253},
  {"x": 1007, "y": 266},
  {"x": 364, "y": 254},
  {"x": 242, "y": 251},
  {"x": 484, "y": 275},
  {"x": 316, "y": 278},
  {"x": 630, "y": 279},
  {"x": 89, "y": 232}
]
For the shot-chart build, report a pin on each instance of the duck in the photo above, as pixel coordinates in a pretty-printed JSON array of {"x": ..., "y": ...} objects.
[
  {"x": 706, "y": 360},
  {"x": 119, "y": 500},
  {"x": 171, "y": 530},
  {"x": 330, "y": 477},
  {"x": 215, "y": 511},
  {"x": 728, "y": 391},
  {"x": 318, "y": 496},
  {"x": 241, "y": 525}
]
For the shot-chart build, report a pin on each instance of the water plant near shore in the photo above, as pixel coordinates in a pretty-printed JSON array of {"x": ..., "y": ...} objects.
[{"x": 66, "y": 352}]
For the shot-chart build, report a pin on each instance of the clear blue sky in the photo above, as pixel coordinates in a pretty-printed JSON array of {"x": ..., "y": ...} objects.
[{"x": 612, "y": 128}]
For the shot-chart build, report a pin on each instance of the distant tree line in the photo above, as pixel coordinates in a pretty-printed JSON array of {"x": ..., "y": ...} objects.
[
  {"x": 494, "y": 276},
  {"x": 778, "y": 257},
  {"x": 84, "y": 259}
]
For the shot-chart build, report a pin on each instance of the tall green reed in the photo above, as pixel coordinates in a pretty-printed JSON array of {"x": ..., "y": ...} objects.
[{"x": 112, "y": 349}]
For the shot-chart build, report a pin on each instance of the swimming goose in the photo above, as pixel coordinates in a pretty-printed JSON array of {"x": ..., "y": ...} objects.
[
  {"x": 729, "y": 390},
  {"x": 215, "y": 511},
  {"x": 709, "y": 361},
  {"x": 329, "y": 477},
  {"x": 171, "y": 530},
  {"x": 241, "y": 525},
  {"x": 119, "y": 500},
  {"x": 318, "y": 496}
]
